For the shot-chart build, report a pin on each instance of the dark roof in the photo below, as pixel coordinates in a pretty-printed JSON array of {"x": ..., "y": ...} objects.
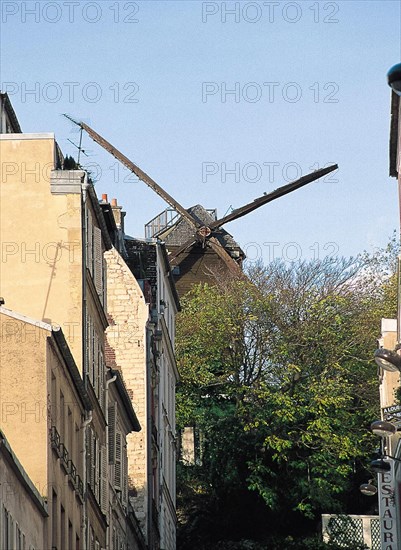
[
  {"x": 110, "y": 221},
  {"x": 100, "y": 217},
  {"x": 5, "y": 101},
  {"x": 394, "y": 131},
  {"x": 181, "y": 231},
  {"x": 170, "y": 277},
  {"x": 142, "y": 260}
]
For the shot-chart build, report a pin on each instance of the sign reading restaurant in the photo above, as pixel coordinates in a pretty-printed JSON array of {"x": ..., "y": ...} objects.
[{"x": 387, "y": 510}]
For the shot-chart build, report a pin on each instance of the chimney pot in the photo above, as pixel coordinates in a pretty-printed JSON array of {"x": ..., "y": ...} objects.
[
  {"x": 104, "y": 197},
  {"x": 113, "y": 202}
]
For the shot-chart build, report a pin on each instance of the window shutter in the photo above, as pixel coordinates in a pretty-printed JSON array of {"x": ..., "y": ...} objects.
[
  {"x": 124, "y": 476},
  {"x": 98, "y": 262},
  {"x": 92, "y": 344},
  {"x": 112, "y": 433},
  {"x": 104, "y": 278},
  {"x": 118, "y": 464},
  {"x": 104, "y": 479},
  {"x": 93, "y": 460},
  {"x": 100, "y": 374},
  {"x": 89, "y": 241},
  {"x": 87, "y": 343},
  {"x": 97, "y": 470}
]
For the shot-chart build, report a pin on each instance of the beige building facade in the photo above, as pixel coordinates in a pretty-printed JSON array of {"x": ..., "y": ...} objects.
[
  {"x": 44, "y": 403},
  {"x": 142, "y": 304},
  {"x": 53, "y": 238},
  {"x": 23, "y": 511},
  {"x": 107, "y": 483},
  {"x": 122, "y": 420}
]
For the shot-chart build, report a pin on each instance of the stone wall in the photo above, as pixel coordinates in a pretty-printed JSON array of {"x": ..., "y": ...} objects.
[{"x": 126, "y": 351}]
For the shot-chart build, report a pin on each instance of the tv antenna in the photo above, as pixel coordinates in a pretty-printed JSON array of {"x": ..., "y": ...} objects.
[{"x": 79, "y": 147}]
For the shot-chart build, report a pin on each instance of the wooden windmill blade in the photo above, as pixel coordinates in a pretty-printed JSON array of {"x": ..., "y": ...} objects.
[
  {"x": 174, "y": 255},
  {"x": 196, "y": 223},
  {"x": 202, "y": 232},
  {"x": 277, "y": 193},
  {"x": 239, "y": 212},
  {"x": 231, "y": 264}
]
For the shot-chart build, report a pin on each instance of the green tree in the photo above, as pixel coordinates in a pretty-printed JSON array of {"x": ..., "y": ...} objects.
[{"x": 277, "y": 374}]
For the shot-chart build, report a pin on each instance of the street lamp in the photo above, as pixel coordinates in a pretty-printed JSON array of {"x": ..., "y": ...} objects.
[
  {"x": 383, "y": 428},
  {"x": 368, "y": 489},
  {"x": 388, "y": 360},
  {"x": 394, "y": 78},
  {"x": 380, "y": 466}
]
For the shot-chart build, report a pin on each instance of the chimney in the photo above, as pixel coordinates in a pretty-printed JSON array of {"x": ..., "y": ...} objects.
[
  {"x": 118, "y": 214},
  {"x": 104, "y": 197}
]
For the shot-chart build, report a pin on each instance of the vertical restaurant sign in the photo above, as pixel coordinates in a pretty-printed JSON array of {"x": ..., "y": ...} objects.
[{"x": 387, "y": 510}]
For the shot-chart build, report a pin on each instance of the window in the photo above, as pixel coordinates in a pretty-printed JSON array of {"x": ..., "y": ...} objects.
[
  {"x": 94, "y": 255},
  {"x": 89, "y": 241},
  {"x": 6, "y": 528},
  {"x": 78, "y": 455},
  {"x": 53, "y": 399},
  {"x": 112, "y": 432},
  {"x": 118, "y": 463},
  {"x": 92, "y": 540},
  {"x": 70, "y": 434},
  {"x": 98, "y": 262},
  {"x": 62, "y": 423},
  {"x": 70, "y": 536},
  {"x": 63, "y": 541},
  {"x": 54, "y": 519},
  {"x": 18, "y": 534},
  {"x": 95, "y": 360}
]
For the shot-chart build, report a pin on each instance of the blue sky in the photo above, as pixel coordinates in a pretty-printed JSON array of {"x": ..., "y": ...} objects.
[{"x": 308, "y": 88}]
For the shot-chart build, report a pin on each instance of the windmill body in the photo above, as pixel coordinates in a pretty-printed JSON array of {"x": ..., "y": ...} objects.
[{"x": 198, "y": 263}]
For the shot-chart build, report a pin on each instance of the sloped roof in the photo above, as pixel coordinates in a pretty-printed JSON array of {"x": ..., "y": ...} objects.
[
  {"x": 6, "y": 104},
  {"x": 181, "y": 231}
]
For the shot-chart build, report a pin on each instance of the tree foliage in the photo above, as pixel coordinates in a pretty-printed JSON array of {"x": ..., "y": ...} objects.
[{"x": 277, "y": 376}]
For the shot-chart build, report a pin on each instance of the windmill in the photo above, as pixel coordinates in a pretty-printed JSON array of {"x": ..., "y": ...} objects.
[{"x": 201, "y": 235}]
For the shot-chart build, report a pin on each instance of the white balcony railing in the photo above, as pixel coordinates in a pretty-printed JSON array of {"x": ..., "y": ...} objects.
[{"x": 352, "y": 529}]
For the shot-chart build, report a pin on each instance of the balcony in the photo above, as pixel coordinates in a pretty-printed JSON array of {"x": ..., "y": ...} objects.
[
  {"x": 55, "y": 441},
  {"x": 66, "y": 463},
  {"x": 162, "y": 221},
  {"x": 80, "y": 488},
  {"x": 65, "y": 457},
  {"x": 72, "y": 473}
]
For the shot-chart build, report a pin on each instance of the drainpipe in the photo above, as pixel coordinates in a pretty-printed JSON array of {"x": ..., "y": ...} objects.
[
  {"x": 108, "y": 382},
  {"x": 148, "y": 391},
  {"x": 85, "y": 187},
  {"x": 85, "y": 424}
]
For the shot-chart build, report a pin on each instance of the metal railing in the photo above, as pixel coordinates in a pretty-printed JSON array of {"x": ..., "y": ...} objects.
[
  {"x": 68, "y": 465},
  {"x": 344, "y": 529}
]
